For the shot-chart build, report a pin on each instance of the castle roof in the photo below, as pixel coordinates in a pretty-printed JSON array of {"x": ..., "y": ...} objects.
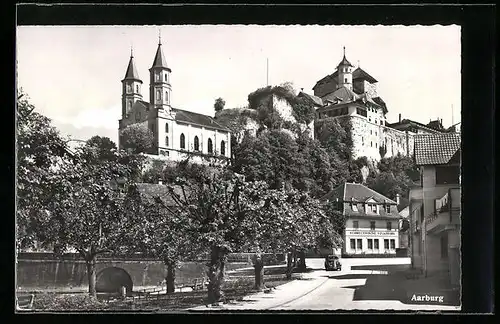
[
  {"x": 160, "y": 60},
  {"x": 358, "y": 74},
  {"x": 432, "y": 149},
  {"x": 131, "y": 73},
  {"x": 407, "y": 123},
  {"x": 314, "y": 99},
  {"x": 344, "y": 61}
]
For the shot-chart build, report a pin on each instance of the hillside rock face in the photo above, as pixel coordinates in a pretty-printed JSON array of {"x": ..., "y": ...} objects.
[{"x": 243, "y": 121}]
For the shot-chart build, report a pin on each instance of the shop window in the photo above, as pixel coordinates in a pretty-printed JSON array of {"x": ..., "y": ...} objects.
[
  {"x": 353, "y": 244},
  {"x": 360, "y": 244},
  {"x": 393, "y": 244},
  {"x": 386, "y": 244},
  {"x": 376, "y": 244},
  {"x": 370, "y": 244}
]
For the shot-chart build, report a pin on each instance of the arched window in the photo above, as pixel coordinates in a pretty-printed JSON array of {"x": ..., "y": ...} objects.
[
  {"x": 210, "y": 146},
  {"x": 158, "y": 95},
  {"x": 223, "y": 148},
  {"x": 166, "y": 128},
  {"x": 166, "y": 141},
  {"x": 166, "y": 96},
  {"x": 183, "y": 141},
  {"x": 196, "y": 143}
]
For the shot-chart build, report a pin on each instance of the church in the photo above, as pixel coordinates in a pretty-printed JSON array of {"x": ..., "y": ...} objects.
[{"x": 177, "y": 133}]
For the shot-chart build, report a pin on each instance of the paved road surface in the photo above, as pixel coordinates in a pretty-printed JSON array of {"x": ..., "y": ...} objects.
[{"x": 332, "y": 290}]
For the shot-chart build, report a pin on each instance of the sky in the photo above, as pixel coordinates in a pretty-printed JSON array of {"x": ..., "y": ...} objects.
[{"x": 72, "y": 74}]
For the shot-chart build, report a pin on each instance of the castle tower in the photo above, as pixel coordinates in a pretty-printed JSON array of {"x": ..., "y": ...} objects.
[
  {"x": 131, "y": 87},
  {"x": 159, "y": 83},
  {"x": 345, "y": 73}
]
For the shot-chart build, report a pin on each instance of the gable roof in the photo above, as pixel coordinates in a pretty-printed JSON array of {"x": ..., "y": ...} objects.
[
  {"x": 361, "y": 74},
  {"x": 355, "y": 191},
  {"x": 314, "y": 99},
  {"x": 344, "y": 95},
  {"x": 199, "y": 119},
  {"x": 432, "y": 149},
  {"x": 403, "y": 203}
]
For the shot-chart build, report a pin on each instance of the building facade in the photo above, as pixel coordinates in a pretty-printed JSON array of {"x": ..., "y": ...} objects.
[
  {"x": 434, "y": 209},
  {"x": 372, "y": 225},
  {"x": 177, "y": 133},
  {"x": 352, "y": 93}
]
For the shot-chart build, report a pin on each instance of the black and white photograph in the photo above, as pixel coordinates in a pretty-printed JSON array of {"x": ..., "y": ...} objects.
[{"x": 203, "y": 168}]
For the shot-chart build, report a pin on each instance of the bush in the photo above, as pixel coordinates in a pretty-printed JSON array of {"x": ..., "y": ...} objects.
[{"x": 56, "y": 302}]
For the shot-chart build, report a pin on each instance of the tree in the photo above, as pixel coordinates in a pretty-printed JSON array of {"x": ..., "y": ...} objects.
[
  {"x": 156, "y": 228},
  {"x": 40, "y": 147},
  {"x": 390, "y": 184},
  {"x": 219, "y": 104},
  {"x": 85, "y": 209},
  {"x": 105, "y": 147},
  {"x": 216, "y": 201},
  {"x": 136, "y": 138}
]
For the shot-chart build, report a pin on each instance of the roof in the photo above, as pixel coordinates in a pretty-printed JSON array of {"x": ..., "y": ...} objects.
[
  {"x": 361, "y": 74},
  {"x": 436, "y": 124},
  {"x": 344, "y": 95},
  {"x": 355, "y": 191},
  {"x": 405, "y": 123},
  {"x": 159, "y": 60},
  {"x": 131, "y": 73},
  {"x": 315, "y": 99},
  {"x": 199, "y": 119},
  {"x": 403, "y": 203},
  {"x": 344, "y": 62},
  {"x": 381, "y": 103},
  {"x": 432, "y": 149}
]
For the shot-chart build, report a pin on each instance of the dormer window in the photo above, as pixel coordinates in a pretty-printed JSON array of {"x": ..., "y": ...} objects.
[
  {"x": 372, "y": 208},
  {"x": 388, "y": 208},
  {"x": 354, "y": 207}
]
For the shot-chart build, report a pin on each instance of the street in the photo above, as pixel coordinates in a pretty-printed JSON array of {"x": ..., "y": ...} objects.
[{"x": 349, "y": 289}]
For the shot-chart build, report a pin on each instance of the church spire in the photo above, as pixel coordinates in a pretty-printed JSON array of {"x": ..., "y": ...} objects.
[
  {"x": 159, "y": 60},
  {"x": 131, "y": 73}
]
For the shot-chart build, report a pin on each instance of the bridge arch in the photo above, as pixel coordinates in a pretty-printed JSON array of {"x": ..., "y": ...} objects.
[{"x": 112, "y": 278}]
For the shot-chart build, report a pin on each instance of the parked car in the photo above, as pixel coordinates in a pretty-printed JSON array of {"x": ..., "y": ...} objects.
[{"x": 332, "y": 263}]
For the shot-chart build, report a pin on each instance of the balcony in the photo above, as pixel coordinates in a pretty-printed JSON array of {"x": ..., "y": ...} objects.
[{"x": 447, "y": 213}]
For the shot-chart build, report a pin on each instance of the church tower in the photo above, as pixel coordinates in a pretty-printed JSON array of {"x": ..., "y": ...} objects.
[
  {"x": 131, "y": 87},
  {"x": 344, "y": 70},
  {"x": 159, "y": 84}
]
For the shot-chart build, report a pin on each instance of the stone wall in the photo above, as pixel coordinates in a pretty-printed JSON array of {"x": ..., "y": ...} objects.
[{"x": 368, "y": 137}]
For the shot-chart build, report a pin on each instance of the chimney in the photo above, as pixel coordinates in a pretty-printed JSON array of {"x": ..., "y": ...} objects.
[
  {"x": 397, "y": 199},
  {"x": 399, "y": 117}
]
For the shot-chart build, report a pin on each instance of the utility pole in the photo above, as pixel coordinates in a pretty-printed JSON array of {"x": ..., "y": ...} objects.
[{"x": 267, "y": 72}]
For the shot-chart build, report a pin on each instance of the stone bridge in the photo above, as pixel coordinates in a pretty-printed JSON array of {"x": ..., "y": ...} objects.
[{"x": 46, "y": 271}]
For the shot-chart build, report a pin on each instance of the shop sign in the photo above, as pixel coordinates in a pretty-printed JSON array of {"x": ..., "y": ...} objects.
[{"x": 371, "y": 233}]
